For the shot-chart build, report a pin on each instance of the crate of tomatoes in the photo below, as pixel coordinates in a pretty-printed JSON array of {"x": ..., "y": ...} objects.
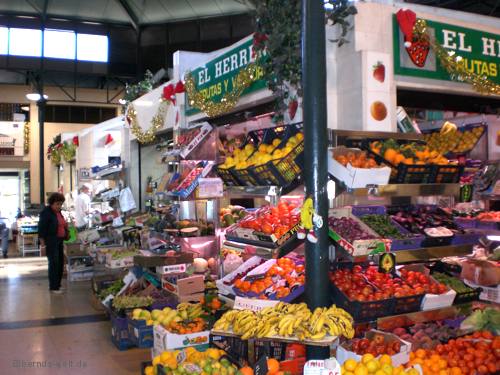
[{"x": 269, "y": 226}]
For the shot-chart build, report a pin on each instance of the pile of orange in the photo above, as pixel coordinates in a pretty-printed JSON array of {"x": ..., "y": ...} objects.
[
  {"x": 284, "y": 269},
  {"x": 357, "y": 160},
  {"x": 187, "y": 326},
  {"x": 479, "y": 354},
  {"x": 273, "y": 368},
  {"x": 410, "y": 154}
]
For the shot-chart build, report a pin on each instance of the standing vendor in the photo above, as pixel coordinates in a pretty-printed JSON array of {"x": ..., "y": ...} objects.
[{"x": 82, "y": 207}]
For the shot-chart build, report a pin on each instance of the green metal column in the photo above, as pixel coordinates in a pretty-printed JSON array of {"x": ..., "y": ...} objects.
[{"x": 316, "y": 149}]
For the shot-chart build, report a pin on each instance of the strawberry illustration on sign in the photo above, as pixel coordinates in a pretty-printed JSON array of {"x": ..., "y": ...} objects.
[
  {"x": 293, "y": 104},
  {"x": 379, "y": 72}
]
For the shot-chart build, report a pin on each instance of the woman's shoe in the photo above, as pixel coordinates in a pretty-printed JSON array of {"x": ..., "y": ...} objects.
[{"x": 56, "y": 291}]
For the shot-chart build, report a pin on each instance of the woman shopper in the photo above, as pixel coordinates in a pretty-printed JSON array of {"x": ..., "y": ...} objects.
[{"x": 52, "y": 231}]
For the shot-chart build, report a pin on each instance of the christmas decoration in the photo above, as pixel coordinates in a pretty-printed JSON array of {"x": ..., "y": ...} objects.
[
  {"x": 108, "y": 140},
  {"x": 243, "y": 80},
  {"x": 132, "y": 92},
  {"x": 418, "y": 43},
  {"x": 158, "y": 121},
  {"x": 54, "y": 150},
  {"x": 68, "y": 151},
  {"x": 27, "y": 137},
  {"x": 76, "y": 141}
]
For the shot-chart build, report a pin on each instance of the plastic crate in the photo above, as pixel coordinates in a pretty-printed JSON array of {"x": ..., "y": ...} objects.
[
  {"x": 465, "y": 223},
  {"x": 363, "y": 311},
  {"x": 446, "y": 173},
  {"x": 227, "y": 176},
  {"x": 408, "y": 304},
  {"x": 248, "y": 177},
  {"x": 271, "y": 349},
  {"x": 464, "y": 297},
  {"x": 140, "y": 334},
  {"x": 282, "y": 172}
]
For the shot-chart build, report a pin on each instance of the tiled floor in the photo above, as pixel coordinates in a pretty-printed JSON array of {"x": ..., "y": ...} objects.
[{"x": 35, "y": 340}]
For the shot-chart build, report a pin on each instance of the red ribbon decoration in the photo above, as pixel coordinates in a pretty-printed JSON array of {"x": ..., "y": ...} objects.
[
  {"x": 406, "y": 20},
  {"x": 76, "y": 141},
  {"x": 170, "y": 90},
  {"x": 109, "y": 139}
]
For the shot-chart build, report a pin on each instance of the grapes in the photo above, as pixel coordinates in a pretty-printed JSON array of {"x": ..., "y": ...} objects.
[{"x": 128, "y": 302}]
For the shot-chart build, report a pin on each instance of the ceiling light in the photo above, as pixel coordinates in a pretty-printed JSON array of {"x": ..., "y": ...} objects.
[
  {"x": 25, "y": 108},
  {"x": 122, "y": 101},
  {"x": 35, "y": 97}
]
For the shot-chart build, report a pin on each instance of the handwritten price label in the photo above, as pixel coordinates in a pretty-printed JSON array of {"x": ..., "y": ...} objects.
[
  {"x": 241, "y": 303},
  {"x": 210, "y": 188}
]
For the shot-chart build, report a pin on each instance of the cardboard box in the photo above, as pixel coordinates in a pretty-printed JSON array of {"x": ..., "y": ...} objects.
[
  {"x": 193, "y": 298},
  {"x": 481, "y": 272},
  {"x": 148, "y": 259},
  {"x": 356, "y": 177},
  {"x": 433, "y": 301},
  {"x": 165, "y": 340},
  {"x": 358, "y": 247},
  {"x": 182, "y": 286},
  {"x": 343, "y": 352},
  {"x": 224, "y": 286}
]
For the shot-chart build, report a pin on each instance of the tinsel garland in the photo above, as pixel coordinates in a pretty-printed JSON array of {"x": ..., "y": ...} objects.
[
  {"x": 157, "y": 123},
  {"x": 453, "y": 63},
  {"x": 243, "y": 80},
  {"x": 27, "y": 136}
]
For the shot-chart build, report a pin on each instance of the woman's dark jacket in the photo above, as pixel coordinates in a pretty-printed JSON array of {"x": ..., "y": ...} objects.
[{"x": 47, "y": 224}]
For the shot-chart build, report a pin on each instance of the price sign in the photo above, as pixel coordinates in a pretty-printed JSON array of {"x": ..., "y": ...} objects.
[
  {"x": 210, "y": 188},
  {"x": 260, "y": 367},
  {"x": 241, "y": 303},
  {"x": 387, "y": 263}
]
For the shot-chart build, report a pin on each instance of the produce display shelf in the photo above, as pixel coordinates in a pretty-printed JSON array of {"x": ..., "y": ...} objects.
[
  {"x": 253, "y": 191},
  {"x": 326, "y": 341},
  {"x": 388, "y": 323},
  {"x": 354, "y": 134},
  {"x": 266, "y": 252},
  {"x": 416, "y": 255},
  {"x": 407, "y": 190}
]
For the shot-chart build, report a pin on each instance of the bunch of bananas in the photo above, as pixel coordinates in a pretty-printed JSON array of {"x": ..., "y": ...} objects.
[
  {"x": 189, "y": 311},
  {"x": 288, "y": 320}
]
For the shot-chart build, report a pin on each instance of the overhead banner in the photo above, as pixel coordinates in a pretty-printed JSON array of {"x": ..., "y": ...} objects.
[
  {"x": 479, "y": 50},
  {"x": 216, "y": 78}
]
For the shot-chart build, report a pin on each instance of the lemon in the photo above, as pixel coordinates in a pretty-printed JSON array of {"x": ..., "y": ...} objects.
[
  {"x": 385, "y": 359},
  {"x": 156, "y": 360},
  {"x": 300, "y": 137},
  {"x": 262, "y": 148},
  {"x": 350, "y": 364},
  {"x": 287, "y": 150},
  {"x": 372, "y": 366},
  {"x": 149, "y": 370},
  {"x": 361, "y": 370},
  {"x": 367, "y": 358},
  {"x": 388, "y": 369},
  {"x": 270, "y": 149},
  {"x": 276, "y": 142}
]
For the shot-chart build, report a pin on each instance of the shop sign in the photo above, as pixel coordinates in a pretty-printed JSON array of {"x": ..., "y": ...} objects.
[
  {"x": 479, "y": 50},
  {"x": 216, "y": 77}
]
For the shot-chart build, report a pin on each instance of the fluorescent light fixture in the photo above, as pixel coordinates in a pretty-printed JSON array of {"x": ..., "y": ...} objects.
[
  {"x": 25, "y": 108},
  {"x": 122, "y": 101},
  {"x": 493, "y": 238},
  {"x": 34, "y": 97}
]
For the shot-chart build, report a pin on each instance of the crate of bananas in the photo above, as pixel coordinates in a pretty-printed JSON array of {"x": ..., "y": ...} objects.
[{"x": 291, "y": 322}]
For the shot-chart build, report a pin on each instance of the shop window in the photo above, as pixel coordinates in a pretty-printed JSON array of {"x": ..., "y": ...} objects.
[
  {"x": 59, "y": 44},
  {"x": 92, "y": 47},
  {"x": 4, "y": 40},
  {"x": 25, "y": 42}
]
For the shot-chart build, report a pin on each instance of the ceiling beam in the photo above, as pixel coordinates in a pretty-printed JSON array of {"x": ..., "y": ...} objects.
[
  {"x": 64, "y": 17},
  {"x": 134, "y": 20}
]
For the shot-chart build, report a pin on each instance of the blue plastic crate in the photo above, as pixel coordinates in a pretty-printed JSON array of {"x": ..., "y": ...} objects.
[{"x": 140, "y": 334}]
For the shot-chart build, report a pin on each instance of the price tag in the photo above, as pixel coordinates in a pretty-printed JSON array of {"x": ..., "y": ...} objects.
[
  {"x": 210, "y": 188},
  {"x": 387, "y": 263},
  {"x": 260, "y": 367},
  {"x": 181, "y": 357},
  {"x": 241, "y": 303},
  {"x": 314, "y": 367}
]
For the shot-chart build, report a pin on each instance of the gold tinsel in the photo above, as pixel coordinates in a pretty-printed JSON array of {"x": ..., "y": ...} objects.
[
  {"x": 157, "y": 123},
  {"x": 454, "y": 64},
  {"x": 242, "y": 81},
  {"x": 27, "y": 133}
]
